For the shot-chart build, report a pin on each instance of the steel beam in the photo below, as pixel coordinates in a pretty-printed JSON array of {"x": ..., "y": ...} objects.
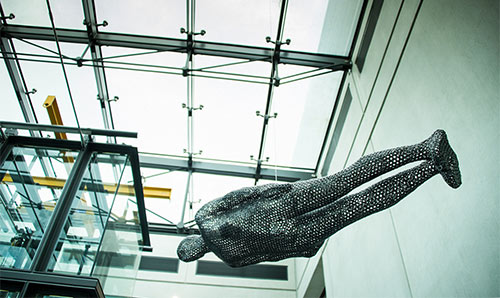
[
  {"x": 97, "y": 62},
  {"x": 61, "y": 212},
  {"x": 139, "y": 195},
  {"x": 273, "y": 81},
  {"x": 179, "y": 46},
  {"x": 226, "y": 169},
  {"x": 68, "y": 129}
]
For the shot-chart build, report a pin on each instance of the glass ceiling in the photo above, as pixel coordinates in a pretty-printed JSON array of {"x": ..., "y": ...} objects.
[{"x": 148, "y": 83}]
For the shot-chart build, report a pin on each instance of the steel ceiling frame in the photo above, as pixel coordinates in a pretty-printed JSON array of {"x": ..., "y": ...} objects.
[
  {"x": 94, "y": 39},
  {"x": 164, "y": 44}
]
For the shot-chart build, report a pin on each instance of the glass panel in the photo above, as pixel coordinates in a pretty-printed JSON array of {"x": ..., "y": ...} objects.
[
  {"x": 304, "y": 108},
  {"x": 240, "y": 21},
  {"x": 236, "y": 69},
  {"x": 48, "y": 79},
  {"x": 119, "y": 57},
  {"x": 147, "y": 17},
  {"x": 160, "y": 210},
  {"x": 67, "y": 14},
  {"x": 87, "y": 219},
  {"x": 117, "y": 262},
  {"x": 322, "y": 26},
  {"x": 150, "y": 104},
  {"x": 227, "y": 127},
  {"x": 10, "y": 111},
  {"x": 30, "y": 187}
]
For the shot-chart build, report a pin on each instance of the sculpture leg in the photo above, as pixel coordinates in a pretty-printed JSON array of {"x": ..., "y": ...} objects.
[
  {"x": 435, "y": 148},
  {"x": 321, "y": 223}
]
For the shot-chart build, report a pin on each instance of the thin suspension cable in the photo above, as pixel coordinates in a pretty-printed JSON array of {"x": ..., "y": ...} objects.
[
  {"x": 43, "y": 48},
  {"x": 307, "y": 77},
  {"x": 233, "y": 74},
  {"x": 32, "y": 55},
  {"x": 145, "y": 65},
  {"x": 85, "y": 51},
  {"x": 275, "y": 151},
  {"x": 138, "y": 54},
  {"x": 306, "y": 72},
  {"x": 232, "y": 63},
  {"x": 64, "y": 70}
]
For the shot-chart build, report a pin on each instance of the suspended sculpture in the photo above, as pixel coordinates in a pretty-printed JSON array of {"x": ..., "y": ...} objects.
[{"x": 278, "y": 221}]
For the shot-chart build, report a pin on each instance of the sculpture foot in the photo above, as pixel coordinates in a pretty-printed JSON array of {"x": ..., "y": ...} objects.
[{"x": 444, "y": 158}]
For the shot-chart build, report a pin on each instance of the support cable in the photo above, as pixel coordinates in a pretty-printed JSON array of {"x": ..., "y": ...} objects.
[
  {"x": 308, "y": 77},
  {"x": 64, "y": 71},
  {"x": 231, "y": 64},
  {"x": 43, "y": 48},
  {"x": 273, "y": 81}
]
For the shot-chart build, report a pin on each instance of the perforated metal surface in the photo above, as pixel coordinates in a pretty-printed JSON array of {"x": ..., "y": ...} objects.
[{"x": 278, "y": 221}]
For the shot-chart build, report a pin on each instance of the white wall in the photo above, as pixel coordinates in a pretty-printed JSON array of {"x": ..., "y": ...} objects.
[
  {"x": 186, "y": 283},
  {"x": 438, "y": 242}
]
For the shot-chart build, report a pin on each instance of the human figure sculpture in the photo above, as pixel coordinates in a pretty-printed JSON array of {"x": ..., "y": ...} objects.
[{"x": 278, "y": 221}]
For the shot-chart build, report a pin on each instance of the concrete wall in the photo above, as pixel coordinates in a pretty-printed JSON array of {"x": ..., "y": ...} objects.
[{"x": 432, "y": 64}]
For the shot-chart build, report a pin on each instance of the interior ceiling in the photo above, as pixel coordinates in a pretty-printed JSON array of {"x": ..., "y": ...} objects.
[{"x": 239, "y": 92}]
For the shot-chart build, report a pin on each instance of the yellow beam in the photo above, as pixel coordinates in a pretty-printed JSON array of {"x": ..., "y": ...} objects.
[
  {"x": 124, "y": 189},
  {"x": 55, "y": 118}
]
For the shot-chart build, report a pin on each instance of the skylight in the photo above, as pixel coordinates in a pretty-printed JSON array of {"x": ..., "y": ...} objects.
[{"x": 240, "y": 78}]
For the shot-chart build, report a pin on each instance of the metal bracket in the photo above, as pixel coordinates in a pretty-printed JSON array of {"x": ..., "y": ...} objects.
[
  {"x": 9, "y": 17},
  {"x": 287, "y": 42},
  {"x": 191, "y": 109},
  {"x": 33, "y": 91},
  {"x": 266, "y": 117},
  {"x": 115, "y": 98}
]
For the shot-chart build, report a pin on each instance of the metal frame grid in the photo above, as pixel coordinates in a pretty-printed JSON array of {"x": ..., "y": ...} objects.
[{"x": 191, "y": 46}]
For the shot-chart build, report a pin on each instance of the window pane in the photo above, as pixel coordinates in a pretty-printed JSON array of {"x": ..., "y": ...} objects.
[
  {"x": 304, "y": 108},
  {"x": 240, "y": 21},
  {"x": 227, "y": 127},
  {"x": 149, "y": 103},
  {"x": 48, "y": 79},
  {"x": 322, "y": 26},
  {"x": 10, "y": 111},
  {"x": 67, "y": 14},
  {"x": 162, "y": 210},
  {"x": 147, "y": 17}
]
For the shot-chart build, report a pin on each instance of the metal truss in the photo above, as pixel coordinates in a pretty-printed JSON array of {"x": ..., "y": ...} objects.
[
  {"x": 226, "y": 169},
  {"x": 164, "y": 44}
]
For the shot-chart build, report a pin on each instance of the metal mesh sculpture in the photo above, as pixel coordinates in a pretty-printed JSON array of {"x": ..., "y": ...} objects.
[{"x": 278, "y": 221}]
